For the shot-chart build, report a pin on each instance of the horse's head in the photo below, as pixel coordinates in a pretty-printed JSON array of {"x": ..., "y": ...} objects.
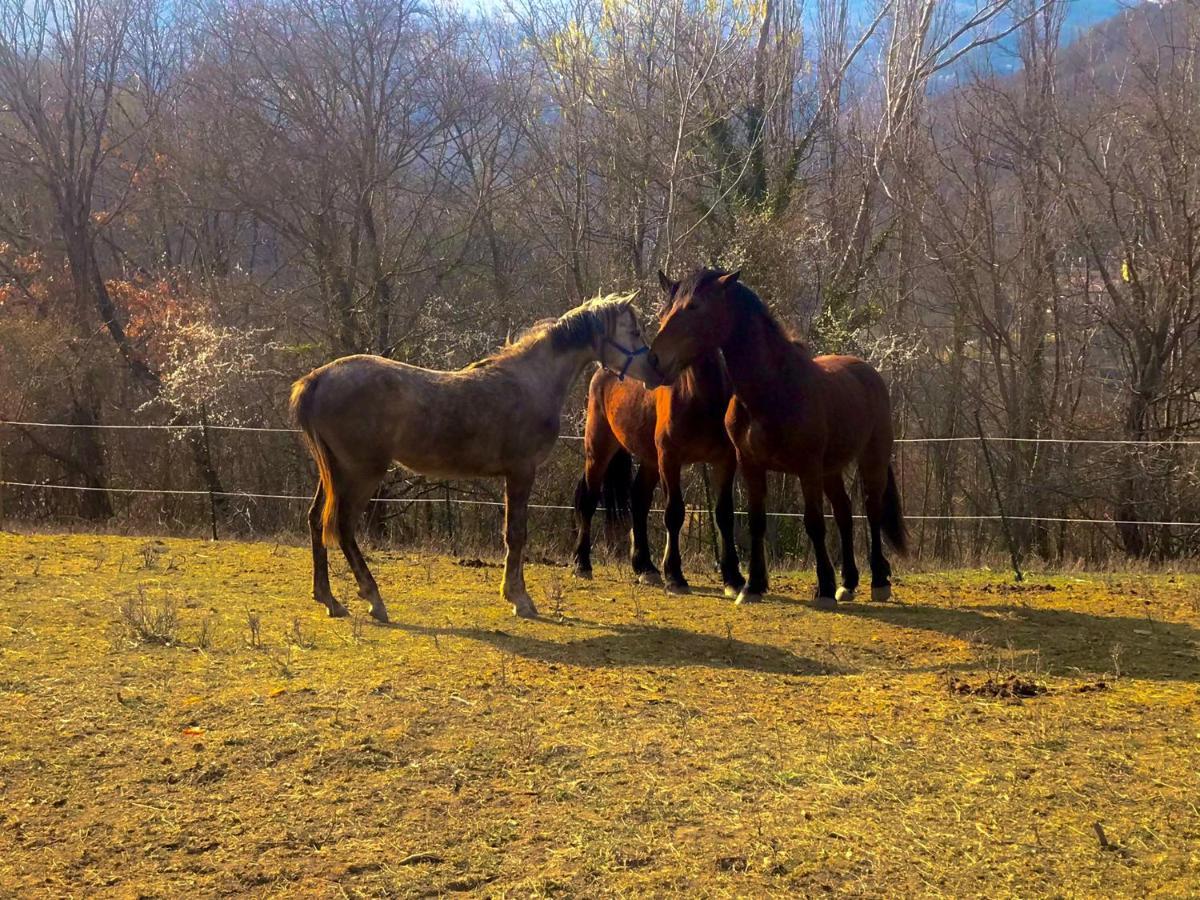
[
  {"x": 698, "y": 319},
  {"x": 622, "y": 347}
]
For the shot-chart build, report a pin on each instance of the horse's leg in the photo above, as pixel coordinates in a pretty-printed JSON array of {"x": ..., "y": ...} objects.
[
  {"x": 731, "y": 575},
  {"x": 517, "y": 488},
  {"x": 814, "y": 524},
  {"x": 321, "y": 590},
  {"x": 349, "y": 512},
  {"x": 756, "y": 508},
  {"x": 874, "y": 485},
  {"x": 835, "y": 490},
  {"x": 672, "y": 565},
  {"x": 601, "y": 446},
  {"x": 639, "y": 502},
  {"x": 367, "y": 588}
]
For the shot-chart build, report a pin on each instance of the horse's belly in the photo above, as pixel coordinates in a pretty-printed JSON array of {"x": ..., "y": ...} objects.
[{"x": 466, "y": 455}]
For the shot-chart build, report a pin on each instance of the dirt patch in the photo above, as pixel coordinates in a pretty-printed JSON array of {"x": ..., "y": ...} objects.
[
  {"x": 477, "y": 563},
  {"x": 1023, "y": 587},
  {"x": 1010, "y": 688}
]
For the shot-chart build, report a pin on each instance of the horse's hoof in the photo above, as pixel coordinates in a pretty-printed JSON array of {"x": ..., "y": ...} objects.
[
  {"x": 585, "y": 574},
  {"x": 651, "y": 578},
  {"x": 379, "y": 614},
  {"x": 336, "y": 610},
  {"x": 844, "y": 595},
  {"x": 732, "y": 592},
  {"x": 824, "y": 603},
  {"x": 745, "y": 596},
  {"x": 677, "y": 587},
  {"x": 881, "y": 593},
  {"x": 525, "y": 610}
]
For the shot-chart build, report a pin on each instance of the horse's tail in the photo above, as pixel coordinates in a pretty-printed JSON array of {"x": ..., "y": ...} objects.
[
  {"x": 617, "y": 490},
  {"x": 892, "y": 525},
  {"x": 301, "y": 409}
]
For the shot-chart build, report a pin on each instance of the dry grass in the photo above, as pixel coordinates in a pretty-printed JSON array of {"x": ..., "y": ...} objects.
[{"x": 629, "y": 743}]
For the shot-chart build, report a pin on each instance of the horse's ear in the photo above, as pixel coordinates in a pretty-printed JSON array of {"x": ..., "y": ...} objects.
[
  {"x": 729, "y": 278},
  {"x": 666, "y": 283}
]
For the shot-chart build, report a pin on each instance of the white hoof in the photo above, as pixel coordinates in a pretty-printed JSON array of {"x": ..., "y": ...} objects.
[
  {"x": 651, "y": 578},
  {"x": 824, "y": 603},
  {"x": 844, "y": 595},
  {"x": 744, "y": 597},
  {"x": 731, "y": 592},
  {"x": 881, "y": 593}
]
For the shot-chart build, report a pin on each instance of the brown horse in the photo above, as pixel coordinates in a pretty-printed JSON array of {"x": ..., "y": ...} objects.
[
  {"x": 666, "y": 429},
  {"x": 496, "y": 418},
  {"x": 794, "y": 413}
]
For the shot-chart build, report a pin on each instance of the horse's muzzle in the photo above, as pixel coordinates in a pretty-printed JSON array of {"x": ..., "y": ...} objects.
[{"x": 656, "y": 368}]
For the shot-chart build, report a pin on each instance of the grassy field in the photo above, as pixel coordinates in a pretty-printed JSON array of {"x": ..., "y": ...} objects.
[{"x": 179, "y": 716}]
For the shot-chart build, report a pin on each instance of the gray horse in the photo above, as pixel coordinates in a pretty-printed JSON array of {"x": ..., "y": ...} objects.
[{"x": 498, "y": 417}]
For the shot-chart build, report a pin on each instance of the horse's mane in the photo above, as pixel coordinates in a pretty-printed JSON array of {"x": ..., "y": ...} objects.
[
  {"x": 747, "y": 299},
  {"x": 573, "y": 329}
]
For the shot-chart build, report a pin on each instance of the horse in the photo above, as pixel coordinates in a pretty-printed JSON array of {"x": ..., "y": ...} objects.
[
  {"x": 791, "y": 412},
  {"x": 498, "y": 417},
  {"x": 666, "y": 428}
]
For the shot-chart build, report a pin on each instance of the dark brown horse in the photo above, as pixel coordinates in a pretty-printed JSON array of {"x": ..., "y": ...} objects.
[
  {"x": 794, "y": 413},
  {"x": 666, "y": 429}
]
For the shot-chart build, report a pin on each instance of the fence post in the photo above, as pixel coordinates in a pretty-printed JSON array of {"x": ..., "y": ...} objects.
[
  {"x": 212, "y": 499},
  {"x": 1008, "y": 537}
]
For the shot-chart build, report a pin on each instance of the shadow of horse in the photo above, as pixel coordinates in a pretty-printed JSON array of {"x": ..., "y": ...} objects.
[
  {"x": 641, "y": 645},
  {"x": 1066, "y": 640}
]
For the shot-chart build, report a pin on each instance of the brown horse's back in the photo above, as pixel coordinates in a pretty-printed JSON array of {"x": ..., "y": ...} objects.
[{"x": 857, "y": 411}]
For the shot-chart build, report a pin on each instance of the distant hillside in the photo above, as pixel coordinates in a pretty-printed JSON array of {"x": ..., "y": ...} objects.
[{"x": 1082, "y": 18}]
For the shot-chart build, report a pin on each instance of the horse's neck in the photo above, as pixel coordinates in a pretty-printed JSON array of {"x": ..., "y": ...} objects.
[
  {"x": 549, "y": 373},
  {"x": 706, "y": 379},
  {"x": 756, "y": 354}
]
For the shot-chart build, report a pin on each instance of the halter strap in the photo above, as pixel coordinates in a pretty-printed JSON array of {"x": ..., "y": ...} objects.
[{"x": 630, "y": 356}]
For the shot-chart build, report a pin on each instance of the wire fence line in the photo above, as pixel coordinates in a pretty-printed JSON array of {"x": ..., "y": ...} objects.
[
  {"x": 693, "y": 510},
  {"x": 972, "y": 438},
  {"x": 252, "y": 511}
]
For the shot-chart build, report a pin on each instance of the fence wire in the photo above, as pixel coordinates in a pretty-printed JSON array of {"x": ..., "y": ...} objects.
[{"x": 403, "y": 501}]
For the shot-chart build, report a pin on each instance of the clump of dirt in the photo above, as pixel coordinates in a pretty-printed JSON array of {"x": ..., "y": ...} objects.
[
  {"x": 477, "y": 563},
  {"x": 1091, "y": 687},
  {"x": 1013, "y": 687},
  {"x": 1023, "y": 588}
]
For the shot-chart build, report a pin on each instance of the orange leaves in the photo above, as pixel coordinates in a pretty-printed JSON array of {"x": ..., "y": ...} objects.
[
  {"x": 153, "y": 308},
  {"x": 28, "y": 276},
  {"x": 29, "y": 264}
]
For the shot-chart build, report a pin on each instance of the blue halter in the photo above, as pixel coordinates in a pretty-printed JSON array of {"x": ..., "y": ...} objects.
[{"x": 630, "y": 356}]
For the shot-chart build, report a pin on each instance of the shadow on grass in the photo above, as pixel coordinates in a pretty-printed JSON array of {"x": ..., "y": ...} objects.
[
  {"x": 1066, "y": 640},
  {"x": 642, "y": 645}
]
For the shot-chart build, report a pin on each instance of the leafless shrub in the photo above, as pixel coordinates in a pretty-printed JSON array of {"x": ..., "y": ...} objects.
[
  {"x": 146, "y": 621},
  {"x": 254, "y": 629}
]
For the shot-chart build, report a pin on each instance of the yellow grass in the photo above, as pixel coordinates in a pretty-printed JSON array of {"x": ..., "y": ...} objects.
[{"x": 635, "y": 743}]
